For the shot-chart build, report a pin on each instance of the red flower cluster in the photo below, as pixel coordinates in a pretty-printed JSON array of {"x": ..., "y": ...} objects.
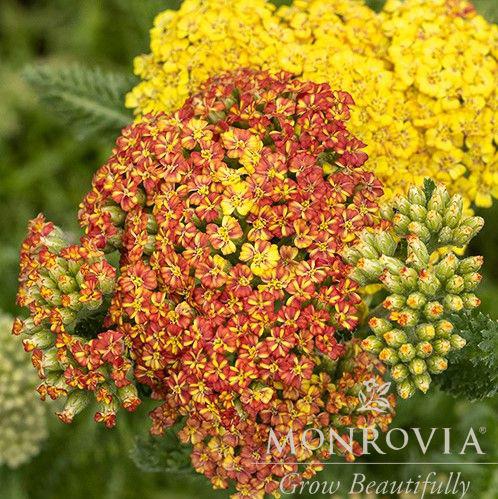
[
  {"x": 65, "y": 287},
  {"x": 230, "y": 216}
]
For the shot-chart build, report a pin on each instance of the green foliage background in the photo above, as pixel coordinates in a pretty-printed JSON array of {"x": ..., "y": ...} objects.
[{"x": 46, "y": 166}]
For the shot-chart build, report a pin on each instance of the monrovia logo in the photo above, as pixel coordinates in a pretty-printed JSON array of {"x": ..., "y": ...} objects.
[
  {"x": 372, "y": 397},
  {"x": 395, "y": 439}
]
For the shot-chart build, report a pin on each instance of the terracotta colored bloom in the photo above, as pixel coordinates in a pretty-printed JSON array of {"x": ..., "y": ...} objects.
[
  {"x": 229, "y": 218},
  {"x": 221, "y": 236},
  {"x": 245, "y": 245}
]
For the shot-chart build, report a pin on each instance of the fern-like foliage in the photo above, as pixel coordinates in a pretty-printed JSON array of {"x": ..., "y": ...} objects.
[
  {"x": 90, "y": 100},
  {"x": 473, "y": 370},
  {"x": 164, "y": 454}
]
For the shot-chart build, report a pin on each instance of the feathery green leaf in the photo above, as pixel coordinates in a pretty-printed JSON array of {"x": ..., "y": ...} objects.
[
  {"x": 165, "y": 454},
  {"x": 88, "y": 99},
  {"x": 473, "y": 370}
]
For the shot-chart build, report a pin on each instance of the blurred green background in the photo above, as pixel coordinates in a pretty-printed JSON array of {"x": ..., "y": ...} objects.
[{"x": 45, "y": 168}]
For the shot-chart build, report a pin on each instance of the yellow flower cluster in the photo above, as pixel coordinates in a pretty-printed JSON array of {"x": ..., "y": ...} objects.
[
  {"x": 423, "y": 73},
  {"x": 444, "y": 58},
  {"x": 202, "y": 39}
]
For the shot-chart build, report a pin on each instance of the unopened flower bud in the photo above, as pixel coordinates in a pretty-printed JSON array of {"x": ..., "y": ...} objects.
[
  {"x": 406, "y": 389},
  {"x": 444, "y": 329},
  {"x": 47, "y": 282},
  {"x": 437, "y": 364},
  {"x": 385, "y": 243},
  {"x": 401, "y": 223},
  {"x": 371, "y": 268},
  {"x": 141, "y": 197},
  {"x": 457, "y": 342},
  {"x": 467, "y": 230},
  {"x": 470, "y": 265},
  {"x": 422, "y": 381},
  {"x": 69, "y": 316},
  {"x": 41, "y": 340},
  {"x": 395, "y": 338},
  {"x": 455, "y": 285},
  {"x": 75, "y": 403},
  {"x": 67, "y": 284},
  {"x": 58, "y": 271},
  {"x": 55, "y": 243},
  {"x": 405, "y": 317},
  {"x": 368, "y": 238},
  {"x": 475, "y": 223},
  {"x": 446, "y": 267},
  {"x": 420, "y": 230},
  {"x": 351, "y": 255},
  {"x": 394, "y": 302},
  {"x": 409, "y": 278},
  {"x": 115, "y": 241},
  {"x": 393, "y": 265},
  {"x": 445, "y": 236},
  {"x": 399, "y": 372},
  {"x": 439, "y": 199},
  {"x": 418, "y": 256},
  {"x": 453, "y": 303},
  {"x": 425, "y": 332},
  {"x": 367, "y": 250},
  {"x": 418, "y": 213},
  {"x": 402, "y": 205},
  {"x": 152, "y": 226},
  {"x": 389, "y": 356},
  {"x": 379, "y": 326},
  {"x": 372, "y": 344},
  {"x": 416, "y": 196},
  {"x": 471, "y": 281},
  {"x": 358, "y": 276},
  {"x": 393, "y": 283},
  {"x": 470, "y": 300},
  {"x": 442, "y": 347},
  {"x": 406, "y": 352},
  {"x": 117, "y": 215},
  {"x": 428, "y": 283},
  {"x": 417, "y": 366},
  {"x": 416, "y": 300},
  {"x": 150, "y": 245},
  {"x": 386, "y": 211},
  {"x": 73, "y": 268},
  {"x": 72, "y": 301},
  {"x": 434, "y": 221},
  {"x": 50, "y": 361},
  {"x": 424, "y": 349},
  {"x": 433, "y": 310},
  {"x": 128, "y": 397},
  {"x": 453, "y": 212}
]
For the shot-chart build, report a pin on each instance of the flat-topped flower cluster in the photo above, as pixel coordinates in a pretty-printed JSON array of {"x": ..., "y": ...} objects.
[
  {"x": 231, "y": 301},
  {"x": 423, "y": 73}
]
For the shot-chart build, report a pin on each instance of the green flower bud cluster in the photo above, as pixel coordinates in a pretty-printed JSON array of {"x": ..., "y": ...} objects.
[
  {"x": 426, "y": 283},
  {"x": 23, "y": 424}
]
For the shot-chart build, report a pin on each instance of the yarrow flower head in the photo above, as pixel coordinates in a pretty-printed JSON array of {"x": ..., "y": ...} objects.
[
  {"x": 423, "y": 74},
  {"x": 426, "y": 282},
  {"x": 66, "y": 289},
  {"x": 229, "y": 216},
  {"x": 23, "y": 417}
]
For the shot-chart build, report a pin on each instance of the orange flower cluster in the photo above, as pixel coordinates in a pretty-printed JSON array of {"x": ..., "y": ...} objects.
[
  {"x": 65, "y": 288},
  {"x": 230, "y": 216}
]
